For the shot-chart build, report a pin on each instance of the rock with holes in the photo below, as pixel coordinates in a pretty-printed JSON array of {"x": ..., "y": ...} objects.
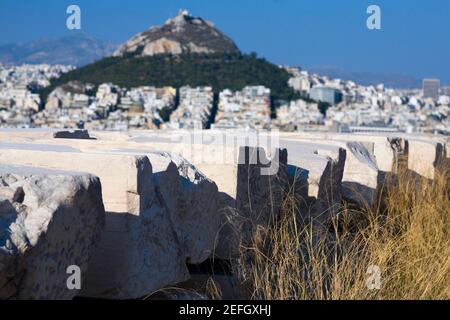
[{"x": 49, "y": 220}]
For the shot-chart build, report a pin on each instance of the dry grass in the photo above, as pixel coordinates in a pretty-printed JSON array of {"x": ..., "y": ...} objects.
[{"x": 407, "y": 236}]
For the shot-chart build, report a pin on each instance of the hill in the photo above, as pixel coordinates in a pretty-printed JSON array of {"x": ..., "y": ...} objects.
[
  {"x": 181, "y": 34},
  {"x": 186, "y": 50},
  {"x": 219, "y": 70}
]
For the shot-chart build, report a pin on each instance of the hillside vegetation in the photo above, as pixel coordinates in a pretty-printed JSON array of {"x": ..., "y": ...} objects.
[{"x": 221, "y": 71}]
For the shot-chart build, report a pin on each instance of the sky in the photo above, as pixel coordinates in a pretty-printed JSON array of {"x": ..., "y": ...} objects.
[{"x": 414, "y": 39}]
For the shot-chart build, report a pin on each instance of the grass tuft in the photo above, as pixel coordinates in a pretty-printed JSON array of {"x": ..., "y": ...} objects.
[{"x": 405, "y": 237}]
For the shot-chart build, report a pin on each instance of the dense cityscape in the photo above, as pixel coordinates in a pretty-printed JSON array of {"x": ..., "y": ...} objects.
[{"x": 328, "y": 105}]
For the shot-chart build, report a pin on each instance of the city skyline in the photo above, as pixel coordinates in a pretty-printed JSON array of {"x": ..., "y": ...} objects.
[{"x": 312, "y": 34}]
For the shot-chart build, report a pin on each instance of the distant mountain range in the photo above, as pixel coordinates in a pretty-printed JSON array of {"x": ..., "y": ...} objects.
[
  {"x": 390, "y": 80},
  {"x": 79, "y": 49}
]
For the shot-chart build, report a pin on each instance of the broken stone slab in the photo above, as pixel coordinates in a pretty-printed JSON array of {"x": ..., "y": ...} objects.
[
  {"x": 219, "y": 163},
  {"x": 122, "y": 187},
  {"x": 251, "y": 186},
  {"x": 388, "y": 149},
  {"x": 425, "y": 157},
  {"x": 140, "y": 255},
  {"x": 53, "y": 220},
  {"x": 234, "y": 202},
  {"x": 385, "y": 150},
  {"x": 216, "y": 162},
  {"x": 192, "y": 201},
  {"x": 360, "y": 181},
  {"x": 361, "y": 176},
  {"x": 196, "y": 221},
  {"x": 139, "y": 251},
  {"x": 221, "y": 171},
  {"x": 446, "y": 164},
  {"x": 189, "y": 148},
  {"x": 316, "y": 181},
  {"x": 216, "y": 144},
  {"x": 9, "y": 134},
  {"x": 316, "y": 173},
  {"x": 262, "y": 183},
  {"x": 424, "y": 154}
]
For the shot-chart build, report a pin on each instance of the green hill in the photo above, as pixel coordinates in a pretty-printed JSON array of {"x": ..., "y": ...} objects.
[{"x": 219, "y": 70}]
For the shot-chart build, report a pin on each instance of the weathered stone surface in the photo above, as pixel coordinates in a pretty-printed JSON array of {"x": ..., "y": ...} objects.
[
  {"x": 316, "y": 182},
  {"x": 425, "y": 157},
  {"x": 447, "y": 155},
  {"x": 427, "y": 152},
  {"x": 9, "y": 135},
  {"x": 220, "y": 163},
  {"x": 367, "y": 158},
  {"x": 261, "y": 185},
  {"x": 360, "y": 181},
  {"x": 140, "y": 254},
  {"x": 217, "y": 157},
  {"x": 385, "y": 150},
  {"x": 216, "y": 162},
  {"x": 49, "y": 220},
  {"x": 197, "y": 221},
  {"x": 139, "y": 251},
  {"x": 192, "y": 201},
  {"x": 121, "y": 175}
]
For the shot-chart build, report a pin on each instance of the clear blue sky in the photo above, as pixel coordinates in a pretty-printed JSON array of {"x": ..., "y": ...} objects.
[{"x": 414, "y": 40}]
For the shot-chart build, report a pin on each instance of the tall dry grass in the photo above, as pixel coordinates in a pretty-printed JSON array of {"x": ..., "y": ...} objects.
[{"x": 406, "y": 236}]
